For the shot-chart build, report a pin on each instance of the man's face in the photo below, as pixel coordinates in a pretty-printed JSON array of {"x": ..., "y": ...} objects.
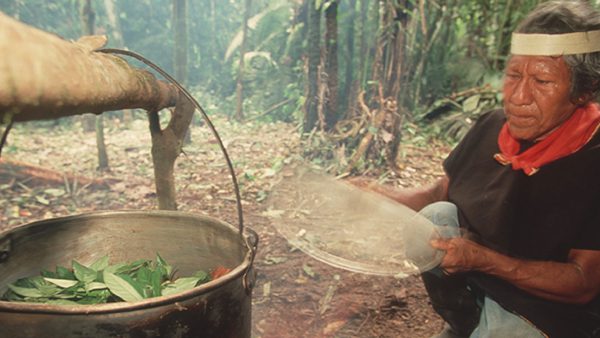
[{"x": 536, "y": 95}]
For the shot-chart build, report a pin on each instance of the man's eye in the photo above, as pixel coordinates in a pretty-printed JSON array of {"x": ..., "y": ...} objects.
[
  {"x": 543, "y": 82},
  {"x": 513, "y": 76}
]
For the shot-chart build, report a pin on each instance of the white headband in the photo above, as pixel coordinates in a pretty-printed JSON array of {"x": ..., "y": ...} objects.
[{"x": 555, "y": 44}]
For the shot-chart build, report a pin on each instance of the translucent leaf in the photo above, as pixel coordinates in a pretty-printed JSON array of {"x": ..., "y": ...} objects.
[
  {"x": 121, "y": 288},
  {"x": 115, "y": 268},
  {"x": 54, "y": 192},
  {"x": 64, "y": 273},
  {"x": 162, "y": 263},
  {"x": 63, "y": 283},
  {"x": 202, "y": 276},
  {"x": 41, "y": 200},
  {"x": 139, "y": 287},
  {"x": 156, "y": 282},
  {"x": 49, "y": 290},
  {"x": 308, "y": 270},
  {"x": 180, "y": 285},
  {"x": 83, "y": 273},
  {"x": 144, "y": 275},
  {"x": 471, "y": 103},
  {"x": 100, "y": 264},
  {"x": 25, "y": 292},
  {"x": 95, "y": 286}
]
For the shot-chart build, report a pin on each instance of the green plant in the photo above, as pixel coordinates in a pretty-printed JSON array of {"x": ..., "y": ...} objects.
[{"x": 103, "y": 283}]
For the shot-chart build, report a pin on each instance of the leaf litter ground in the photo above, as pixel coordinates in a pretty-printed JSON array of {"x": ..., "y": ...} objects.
[{"x": 295, "y": 295}]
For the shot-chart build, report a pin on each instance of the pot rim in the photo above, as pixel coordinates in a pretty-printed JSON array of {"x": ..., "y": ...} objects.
[{"x": 239, "y": 271}]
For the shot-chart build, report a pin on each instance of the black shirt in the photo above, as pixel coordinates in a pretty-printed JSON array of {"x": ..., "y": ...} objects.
[{"x": 538, "y": 217}]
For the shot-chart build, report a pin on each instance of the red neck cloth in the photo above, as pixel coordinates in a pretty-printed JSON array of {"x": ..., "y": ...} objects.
[{"x": 568, "y": 138}]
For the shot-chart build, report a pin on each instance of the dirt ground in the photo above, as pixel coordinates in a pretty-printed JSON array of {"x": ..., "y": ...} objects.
[{"x": 295, "y": 295}]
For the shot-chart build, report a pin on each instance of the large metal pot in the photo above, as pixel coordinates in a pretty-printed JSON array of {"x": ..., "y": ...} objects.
[{"x": 220, "y": 308}]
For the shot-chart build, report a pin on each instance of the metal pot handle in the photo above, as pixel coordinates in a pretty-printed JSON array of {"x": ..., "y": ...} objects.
[
  {"x": 206, "y": 119},
  {"x": 252, "y": 239},
  {"x": 249, "y": 278}
]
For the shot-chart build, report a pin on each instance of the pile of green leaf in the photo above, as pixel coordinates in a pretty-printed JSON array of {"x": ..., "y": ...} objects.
[{"x": 103, "y": 283}]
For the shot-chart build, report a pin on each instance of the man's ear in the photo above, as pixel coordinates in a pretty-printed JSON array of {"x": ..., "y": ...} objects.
[{"x": 582, "y": 99}]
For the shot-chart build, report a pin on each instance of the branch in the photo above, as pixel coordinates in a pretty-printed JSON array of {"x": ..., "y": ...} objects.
[{"x": 45, "y": 77}]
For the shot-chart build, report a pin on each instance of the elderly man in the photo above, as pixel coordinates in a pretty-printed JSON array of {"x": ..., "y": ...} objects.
[{"x": 525, "y": 185}]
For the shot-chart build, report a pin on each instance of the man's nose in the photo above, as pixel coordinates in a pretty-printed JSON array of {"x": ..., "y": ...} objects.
[{"x": 521, "y": 94}]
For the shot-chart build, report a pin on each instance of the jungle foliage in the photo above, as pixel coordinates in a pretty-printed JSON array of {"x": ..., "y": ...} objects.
[{"x": 362, "y": 73}]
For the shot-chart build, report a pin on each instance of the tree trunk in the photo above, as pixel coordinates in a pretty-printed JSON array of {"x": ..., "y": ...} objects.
[
  {"x": 239, "y": 88},
  {"x": 214, "y": 47},
  {"x": 31, "y": 176},
  {"x": 101, "y": 145},
  {"x": 181, "y": 40},
  {"x": 377, "y": 66},
  {"x": 358, "y": 84},
  {"x": 166, "y": 147},
  {"x": 109, "y": 5},
  {"x": 345, "y": 93},
  {"x": 387, "y": 69},
  {"x": 39, "y": 68},
  {"x": 331, "y": 66},
  {"x": 88, "y": 19},
  {"x": 314, "y": 57},
  {"x": 181, "y": 48}
]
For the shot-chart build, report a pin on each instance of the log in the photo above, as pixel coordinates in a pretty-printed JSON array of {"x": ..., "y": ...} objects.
[
  {"x": 45, "y": 77},
  {"x": 31, "y": 176}
]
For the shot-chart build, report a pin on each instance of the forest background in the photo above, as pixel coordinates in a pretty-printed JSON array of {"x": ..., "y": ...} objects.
[
  {"x": 362, "y": 75},
  {"x": 358, "y": 87}
]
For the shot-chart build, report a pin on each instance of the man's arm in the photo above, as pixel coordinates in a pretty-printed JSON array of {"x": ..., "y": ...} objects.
[
  {"x": 576, "y": 281},
  {"x": 414, "y": 198}
]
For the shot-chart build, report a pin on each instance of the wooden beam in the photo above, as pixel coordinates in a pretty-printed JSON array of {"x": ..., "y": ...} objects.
[{"x": 45, "y": 77}]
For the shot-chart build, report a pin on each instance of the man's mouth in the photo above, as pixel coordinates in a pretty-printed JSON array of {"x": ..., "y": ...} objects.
[{"x": 520, "y": 120}]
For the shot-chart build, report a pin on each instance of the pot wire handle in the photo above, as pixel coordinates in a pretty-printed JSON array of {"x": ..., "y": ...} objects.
[
  {"x": 249, "y": 279},
  {"x": 206, "y": 119}
]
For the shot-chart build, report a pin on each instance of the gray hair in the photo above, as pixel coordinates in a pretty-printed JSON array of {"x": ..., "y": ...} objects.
[{"x": 556, "y": 17}]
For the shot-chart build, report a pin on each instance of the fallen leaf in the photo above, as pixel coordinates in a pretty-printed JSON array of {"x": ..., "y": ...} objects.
[
  {"x": 308, "y": 270},
  {"x": 333, "y": 327},
  {"x": 267, "y": 289}
]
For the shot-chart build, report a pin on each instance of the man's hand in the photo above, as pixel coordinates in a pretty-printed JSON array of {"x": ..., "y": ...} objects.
[
  {"x": 461, "y": 254},
  {"x": 576, "y": 281}
]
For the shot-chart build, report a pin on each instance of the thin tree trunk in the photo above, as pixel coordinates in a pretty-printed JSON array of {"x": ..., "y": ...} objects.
[
  {"x": 420, "y": 69},
  {"x": 101, "y": 145},
  {"x": 314, "y": 57},
  {"x": 358, "y": 84},
  {"x": 348, "y": 82},
  {"x": 364, "y": 48},
  {"x": 109, "y": 5},
  {"x": 88, "y": 18},
  {"x": 398, "y": 121},
  {"x": 331, "y": 65},
  {"x": 180, "y": 60},
  {"x": 213, "y": 48},
  {"x": 181, "y": 40},
  {"x": 377, "y": 66},
  {"x": 395, "y": 49},
  {"x": 239, "y": 88}
]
